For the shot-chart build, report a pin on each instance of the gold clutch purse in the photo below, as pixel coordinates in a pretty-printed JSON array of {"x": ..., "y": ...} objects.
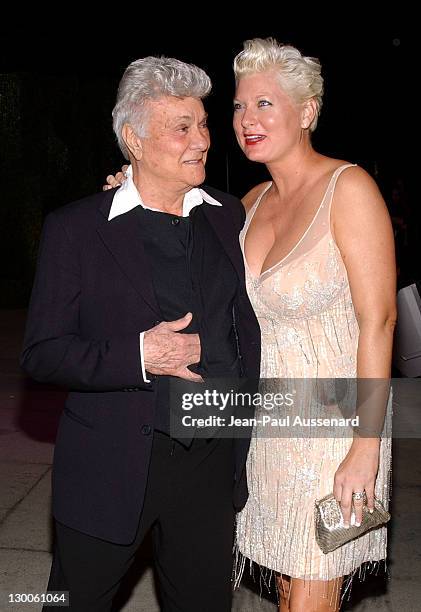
[{"x": 329, "y": 525}]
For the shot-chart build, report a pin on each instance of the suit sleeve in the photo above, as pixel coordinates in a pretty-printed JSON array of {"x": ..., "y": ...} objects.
[{"x": 53, "y": 350}]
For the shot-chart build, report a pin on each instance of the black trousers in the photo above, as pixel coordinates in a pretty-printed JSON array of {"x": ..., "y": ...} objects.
[{"x": 188, "y": 506}]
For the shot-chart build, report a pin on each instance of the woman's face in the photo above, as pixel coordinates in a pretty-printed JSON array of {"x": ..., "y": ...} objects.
[{"x": 267, "y": 122}]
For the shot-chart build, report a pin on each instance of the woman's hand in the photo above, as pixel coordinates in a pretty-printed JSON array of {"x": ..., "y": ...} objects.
[
  {"x": 117, "y": 180},
  {"x": 357, "y": 473}
]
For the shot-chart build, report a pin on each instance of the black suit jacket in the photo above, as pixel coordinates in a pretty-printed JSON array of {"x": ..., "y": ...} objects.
[{"x": 91, "y": 297}]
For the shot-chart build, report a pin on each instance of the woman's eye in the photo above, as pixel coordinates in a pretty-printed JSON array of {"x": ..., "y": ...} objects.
[
  {"x": 183, "y": 128},
  {"x": 264, "y": 103},
  {"x": 237, "y": 106}
]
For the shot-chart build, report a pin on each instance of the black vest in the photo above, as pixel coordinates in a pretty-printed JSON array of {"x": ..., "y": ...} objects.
[{"x": 192, "y": 273}]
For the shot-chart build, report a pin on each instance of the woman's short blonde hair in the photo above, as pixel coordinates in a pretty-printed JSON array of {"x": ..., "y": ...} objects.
[{"x": 299, "y": 76}]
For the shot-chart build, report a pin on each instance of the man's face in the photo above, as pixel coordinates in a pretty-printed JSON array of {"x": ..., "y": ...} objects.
[{"x": 175, "y": 148}]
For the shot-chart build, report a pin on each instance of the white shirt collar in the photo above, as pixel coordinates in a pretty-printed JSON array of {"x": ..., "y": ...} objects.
[{"x": 128, "y": 197}]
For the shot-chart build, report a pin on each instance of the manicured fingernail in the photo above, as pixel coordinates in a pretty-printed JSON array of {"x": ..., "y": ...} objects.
[
  {"x": 346, "y": 525},
  {"x": 357, "y": 524},
  {"x": 371, "y": 510}
]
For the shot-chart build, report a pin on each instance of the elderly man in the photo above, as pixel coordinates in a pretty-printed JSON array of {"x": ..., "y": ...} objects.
[{"x": 133, "y": 287}]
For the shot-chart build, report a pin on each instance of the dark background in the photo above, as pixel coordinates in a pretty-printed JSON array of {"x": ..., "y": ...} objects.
[{"x": 57, "y": 90}]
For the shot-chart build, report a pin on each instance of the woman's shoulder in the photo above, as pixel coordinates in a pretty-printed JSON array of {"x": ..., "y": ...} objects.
[
  {"x": 357, "y": 203},
  {"x": 251, "y": 196},
  {"x": 352, "y": 181},
  {"x": 355, "y": 182}
]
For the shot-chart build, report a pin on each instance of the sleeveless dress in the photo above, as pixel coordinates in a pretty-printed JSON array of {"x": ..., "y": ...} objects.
[{"x": 309, "y": 331}]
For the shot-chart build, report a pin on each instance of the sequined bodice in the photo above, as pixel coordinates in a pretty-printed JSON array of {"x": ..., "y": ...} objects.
[{"x": 303, "y": 304}]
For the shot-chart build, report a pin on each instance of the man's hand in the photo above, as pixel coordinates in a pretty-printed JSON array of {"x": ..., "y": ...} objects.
[
  {"x": 115, "y": 181},
  {"x": 167, "y": 352}
]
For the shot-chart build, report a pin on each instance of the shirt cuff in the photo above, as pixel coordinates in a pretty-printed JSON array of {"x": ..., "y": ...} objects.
[{"x": 142, "y": 361}]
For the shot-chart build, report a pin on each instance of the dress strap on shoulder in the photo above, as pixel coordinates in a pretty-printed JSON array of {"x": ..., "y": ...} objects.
[
  {"x": 252, "y": 210},
  {"x": 332, "y": 184},
  {"x": 260, "y": 196}
]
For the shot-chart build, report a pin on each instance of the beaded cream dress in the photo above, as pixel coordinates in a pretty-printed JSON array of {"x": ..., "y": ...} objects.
[{"x": 309, "y": 331}]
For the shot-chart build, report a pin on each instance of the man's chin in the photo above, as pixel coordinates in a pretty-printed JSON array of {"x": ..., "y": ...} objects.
[{"x": 197, "y": 179}]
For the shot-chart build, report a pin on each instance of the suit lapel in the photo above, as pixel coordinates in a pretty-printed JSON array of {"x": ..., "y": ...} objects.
[{"x": 122, "y": 237}]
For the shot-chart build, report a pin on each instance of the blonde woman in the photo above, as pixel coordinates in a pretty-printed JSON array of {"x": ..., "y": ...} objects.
[{"x": 320, "y": 269}]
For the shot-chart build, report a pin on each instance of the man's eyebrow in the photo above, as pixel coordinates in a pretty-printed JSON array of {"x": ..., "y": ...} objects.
[
  {"x": 182, "y": 117},
  {"x": 185, "y": 118}
]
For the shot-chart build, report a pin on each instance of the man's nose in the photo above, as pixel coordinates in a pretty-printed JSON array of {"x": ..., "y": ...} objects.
[{"x": 200, "y": 141}]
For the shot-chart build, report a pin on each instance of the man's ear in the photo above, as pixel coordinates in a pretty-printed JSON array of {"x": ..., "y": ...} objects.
[
  {"x": 132, "y": 141},
  {"x": 308, "y": 113}
]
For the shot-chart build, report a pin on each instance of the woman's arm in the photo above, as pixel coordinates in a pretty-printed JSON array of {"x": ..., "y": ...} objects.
[{"x": 363, "y": 232}]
